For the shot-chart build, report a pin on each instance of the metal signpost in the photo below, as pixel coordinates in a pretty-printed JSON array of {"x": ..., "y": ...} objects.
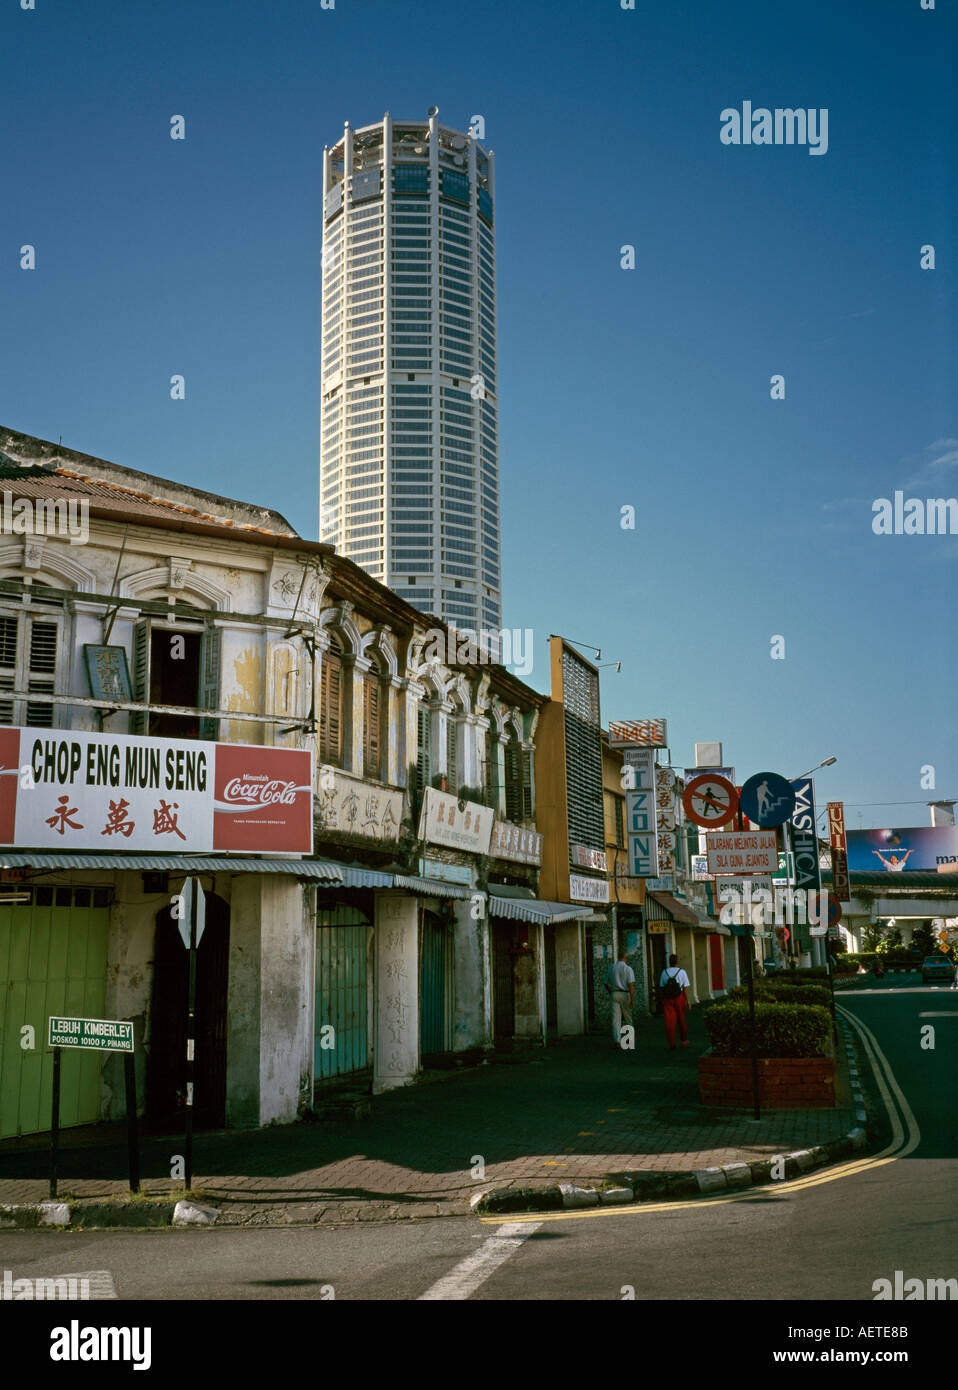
[
  {"x": 191, "y": 921},
  {"x": 101, "y": 1035}
]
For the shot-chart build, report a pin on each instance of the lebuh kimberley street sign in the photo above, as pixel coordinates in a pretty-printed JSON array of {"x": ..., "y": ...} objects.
[
  {"x": 104, "y": 1034},
  {"x": 101, "y": 1035}
]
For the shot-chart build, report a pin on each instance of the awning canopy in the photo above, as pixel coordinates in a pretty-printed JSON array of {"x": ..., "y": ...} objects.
[
  {"x": 673, "y": 909},
  {"x": 178, "y": 863},
  {"x": 536, "y": 910},
  {"x": 432, "y": 887}
]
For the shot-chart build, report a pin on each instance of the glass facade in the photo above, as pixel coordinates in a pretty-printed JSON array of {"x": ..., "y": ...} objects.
[{"x": 409, "y": 467}]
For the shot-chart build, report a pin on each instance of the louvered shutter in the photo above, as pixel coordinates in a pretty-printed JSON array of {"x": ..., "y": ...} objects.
[
  {"x": 513, "y": 781},
  {"x": 371, "y": 725},
  {"x": 209, "y": 692},
  {"x": 8, "y": 664},
  {"x": 526, "y": 761},
  {"x": 423, "y": 759},
  {"x": 42, "y": 662},
  {"x": 452, "y": 765},
  {"x": 139, "y": 722},
  {"x": 331, "y": 711}
]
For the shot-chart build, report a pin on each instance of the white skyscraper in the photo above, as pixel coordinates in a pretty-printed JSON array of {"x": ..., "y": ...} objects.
[{"x": 409, "y": 470}]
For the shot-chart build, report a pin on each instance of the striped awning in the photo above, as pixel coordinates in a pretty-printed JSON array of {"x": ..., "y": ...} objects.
[
  {"x": 158, "y": 863},
  {"x": 432, "y": 887},
  {"x": 354, "y": 877},
  {"x": 536, "y": 910},
  {"x": 672, "y": 909}
]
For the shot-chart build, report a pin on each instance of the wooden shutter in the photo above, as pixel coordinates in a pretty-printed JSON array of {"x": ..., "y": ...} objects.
[
  {"x": 452, "y": 765},
  {"x": 139, "y": 723},
  {"x": 423, "y": 759},
  {"x": 9, "y": 626},
  {"x": 513, "y": 781},
  {"x": 371, "y": 725},
  {"x": 528, "y": 810},
  {"x": 42, "y": 661},
  {"x": 331, "y": 710},
  {"x": 209, "y": 691}
]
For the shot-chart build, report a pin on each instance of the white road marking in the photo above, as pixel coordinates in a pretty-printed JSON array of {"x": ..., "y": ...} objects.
[
  {"x": 476, "y": 1268},
  {"x": 948, "y": 1013}
]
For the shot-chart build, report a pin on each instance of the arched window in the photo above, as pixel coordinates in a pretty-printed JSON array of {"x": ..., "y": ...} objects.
[{"x": 331, "y": 709}]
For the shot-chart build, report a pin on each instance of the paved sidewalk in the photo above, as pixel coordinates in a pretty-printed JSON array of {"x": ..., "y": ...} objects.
[{"x": 574, "y": 1111}]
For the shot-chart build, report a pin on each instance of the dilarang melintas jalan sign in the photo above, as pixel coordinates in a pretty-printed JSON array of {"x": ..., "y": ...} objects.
[{"x": 66, "y": 790}]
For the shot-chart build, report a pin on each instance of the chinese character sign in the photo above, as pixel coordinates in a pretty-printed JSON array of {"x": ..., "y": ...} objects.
[{"x": 68, "y": 790}]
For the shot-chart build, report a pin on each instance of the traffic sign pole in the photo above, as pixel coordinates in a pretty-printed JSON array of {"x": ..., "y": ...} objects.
[
  {"x": 55, "y": 1123},
  {"x": 751, "y": 1023},
  {"x": 191, "y": 1039},
  {"x": 129, "y": 1076}
]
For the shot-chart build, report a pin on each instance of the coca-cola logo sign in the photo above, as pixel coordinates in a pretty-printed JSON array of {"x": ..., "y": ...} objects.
[
  {"x": 260, "y": 792},
  {"x": 263, "y": 799}
]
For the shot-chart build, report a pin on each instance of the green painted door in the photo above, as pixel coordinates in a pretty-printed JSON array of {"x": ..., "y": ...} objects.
[
  {"x": 342, "y": 992},
  {"x": 434, "y": 985},
  {"x": 52, "y": 961}
]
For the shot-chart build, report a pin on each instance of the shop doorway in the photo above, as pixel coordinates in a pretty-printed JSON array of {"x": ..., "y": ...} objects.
[
  {"x": 343, "y": 975},
  {"x": 166, "y": 1058}
]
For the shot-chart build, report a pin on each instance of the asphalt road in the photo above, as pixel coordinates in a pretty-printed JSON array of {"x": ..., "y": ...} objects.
[{"x": 829, "y": 1236}]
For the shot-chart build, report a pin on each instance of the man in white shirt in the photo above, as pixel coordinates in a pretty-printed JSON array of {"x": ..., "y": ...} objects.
[
  {"x": 673, "y": 984},
  {"x": 620, "y": 982}
]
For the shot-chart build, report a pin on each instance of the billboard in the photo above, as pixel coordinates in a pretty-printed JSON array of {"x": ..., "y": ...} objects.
[
  {"x": 931, "y": 849},
  {"x": 67, "y": 790}
]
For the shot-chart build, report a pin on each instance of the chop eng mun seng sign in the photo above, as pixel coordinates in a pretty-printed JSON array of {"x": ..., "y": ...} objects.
[{"x": 66, "y": 790}]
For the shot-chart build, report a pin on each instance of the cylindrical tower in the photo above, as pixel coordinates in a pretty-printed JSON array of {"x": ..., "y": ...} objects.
[{"x": 409, "y": 465}]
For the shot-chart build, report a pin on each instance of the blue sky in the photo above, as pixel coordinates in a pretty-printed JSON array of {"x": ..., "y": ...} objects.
[{"x": 647, "y": 388}]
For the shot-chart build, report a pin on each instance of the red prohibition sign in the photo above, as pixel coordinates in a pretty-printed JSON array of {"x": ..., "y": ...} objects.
[{"x": 710, "y": 800}]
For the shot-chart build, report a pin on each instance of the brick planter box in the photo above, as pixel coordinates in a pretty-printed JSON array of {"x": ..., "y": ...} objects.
[{"x": 784, "y": 1083}]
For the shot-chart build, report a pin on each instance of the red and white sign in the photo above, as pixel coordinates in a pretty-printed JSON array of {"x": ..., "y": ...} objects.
[
  {"x": 638, "y": 733},
  {"x": 841, "y": 884},
  {"x": 586, "y": 858},
  {"x": 66, "y": 790},
  {"x": 742, "y": 851},
  {"x": 710, "y": 800}
]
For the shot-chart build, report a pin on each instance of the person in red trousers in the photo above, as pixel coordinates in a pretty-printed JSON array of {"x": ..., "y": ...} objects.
[{"x": 673, "y": 984}]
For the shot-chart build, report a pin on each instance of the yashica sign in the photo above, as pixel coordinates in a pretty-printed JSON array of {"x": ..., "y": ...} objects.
[
  {"x": 588, "y": 890},
  {"x": 101, "y": 1034},
  {"x": 67, "y": 790},
  {"x": 461, "y": 825},
  {"x": 359, "y": 808},
  {"x": 637, "y": 733},
  {"x": 742, "y": 851},
  {"x": 516, "y": 843}
]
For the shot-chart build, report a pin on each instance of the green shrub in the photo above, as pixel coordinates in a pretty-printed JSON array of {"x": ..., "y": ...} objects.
[
  {"x": 781, "y": 1030},
  {"x": 819, "y": 996},
  {"x": 808, "y": 976}
]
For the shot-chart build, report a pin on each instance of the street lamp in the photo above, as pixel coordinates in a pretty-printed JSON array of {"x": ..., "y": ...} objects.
[{"x": 827, "y": 763}]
